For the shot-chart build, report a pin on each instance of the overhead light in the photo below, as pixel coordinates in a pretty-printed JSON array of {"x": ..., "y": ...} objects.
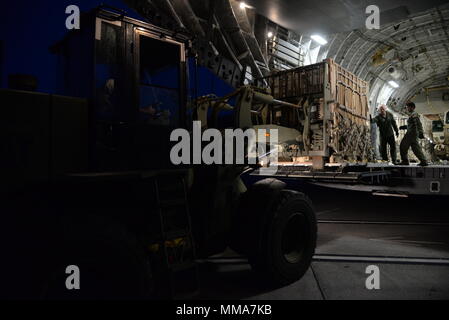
[
  {"x": 319, "y": 39},
  {"x": 270, "y": 34},
  {"x": 243, "y": 5},
  {"x": 393, "y": 84}
]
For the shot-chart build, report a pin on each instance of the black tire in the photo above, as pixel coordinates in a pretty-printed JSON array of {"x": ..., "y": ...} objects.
[{"x": 288, "y": 240}]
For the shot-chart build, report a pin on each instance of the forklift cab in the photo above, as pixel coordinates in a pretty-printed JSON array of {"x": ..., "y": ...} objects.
[{"x": 134, "y": 76}]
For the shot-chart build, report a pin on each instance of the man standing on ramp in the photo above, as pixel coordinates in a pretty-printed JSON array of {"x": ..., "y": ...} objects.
[
  {"x": 414, "y": 131},
  {"x": 386, "y": 123}
]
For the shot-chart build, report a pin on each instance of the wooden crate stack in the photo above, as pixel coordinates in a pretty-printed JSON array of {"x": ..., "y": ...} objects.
[{"x": 343, "y": 103}]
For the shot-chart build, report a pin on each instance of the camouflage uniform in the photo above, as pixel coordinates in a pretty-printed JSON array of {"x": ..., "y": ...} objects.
[
  {"x": 386, "y": 126},
  {"x": 414, "y": 131}
]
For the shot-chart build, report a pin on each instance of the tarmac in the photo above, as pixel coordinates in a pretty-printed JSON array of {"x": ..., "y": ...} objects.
[{"x": 406, "y": 238}]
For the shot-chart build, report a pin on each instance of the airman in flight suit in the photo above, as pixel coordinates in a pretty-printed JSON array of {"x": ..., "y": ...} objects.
[{"x": 414, "y": 132}]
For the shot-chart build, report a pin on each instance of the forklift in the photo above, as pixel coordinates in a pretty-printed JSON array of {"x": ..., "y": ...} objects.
[{"x": 87, "y": 179}]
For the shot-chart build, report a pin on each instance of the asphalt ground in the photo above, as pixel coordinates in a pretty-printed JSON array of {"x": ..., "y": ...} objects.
[{"x": 406, "y": 238}]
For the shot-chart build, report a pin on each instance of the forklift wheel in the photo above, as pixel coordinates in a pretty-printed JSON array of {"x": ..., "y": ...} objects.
[{"x": 287, "y": 240}]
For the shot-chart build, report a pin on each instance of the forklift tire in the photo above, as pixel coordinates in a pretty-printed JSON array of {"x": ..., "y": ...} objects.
[{"x": 287, "y": 240}]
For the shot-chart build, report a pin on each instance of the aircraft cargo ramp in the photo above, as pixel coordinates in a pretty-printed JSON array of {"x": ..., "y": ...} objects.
[{"x": 380, "y": 179}]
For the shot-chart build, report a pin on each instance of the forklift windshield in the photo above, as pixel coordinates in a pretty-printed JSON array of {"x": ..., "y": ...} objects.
[{"x": 159, "y": 81}]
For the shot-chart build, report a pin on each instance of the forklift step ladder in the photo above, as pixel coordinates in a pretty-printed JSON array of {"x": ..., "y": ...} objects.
[{"x": 173, "y": 254}]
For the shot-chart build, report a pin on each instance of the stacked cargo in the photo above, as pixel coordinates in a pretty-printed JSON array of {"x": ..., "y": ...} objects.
[{"x": 333, "y": 122}]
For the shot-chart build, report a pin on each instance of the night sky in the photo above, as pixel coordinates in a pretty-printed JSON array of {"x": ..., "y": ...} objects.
[{"x": 29, "y": 28}]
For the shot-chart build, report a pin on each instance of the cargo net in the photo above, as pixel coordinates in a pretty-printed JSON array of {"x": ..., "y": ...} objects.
[{"x": 350, "y": 141}]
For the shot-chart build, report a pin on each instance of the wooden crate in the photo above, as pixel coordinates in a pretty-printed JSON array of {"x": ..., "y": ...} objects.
[
  {"x": 341, "y": 126},
  {"x": 350, "y": 93},
  {"x": 298, "y": 82}
]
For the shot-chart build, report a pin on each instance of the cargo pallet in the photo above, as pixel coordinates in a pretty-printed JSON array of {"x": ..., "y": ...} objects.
[{"x": 378, "y": 179}]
